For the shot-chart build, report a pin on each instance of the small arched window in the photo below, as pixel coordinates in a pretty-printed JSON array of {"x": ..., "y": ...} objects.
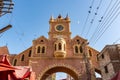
[
  {"x": 38, "y": 49},
  {"x": 15, "y": 62},
  {"x": 81, "y": 50},
  {"x": 22, "y": 58},
  {"x": 30, "y": 52},
  {"x": 59, "y": 46},
  {"x": 41, "y": 41},
  {"x": 43, "y": 49},
  {"x": 90, "y": 53},
  {"x": 78, "y": 41},
  {"x": 76, "y": 49}
]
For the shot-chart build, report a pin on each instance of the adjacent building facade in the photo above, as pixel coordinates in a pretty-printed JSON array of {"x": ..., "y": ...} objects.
[{"x": 109, "y": 60}]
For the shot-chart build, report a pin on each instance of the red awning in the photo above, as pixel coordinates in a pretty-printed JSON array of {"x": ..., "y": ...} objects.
[
  {"x": 9, "y": 72},
  {"x": 4, "y": 67},
  {"x": 5, "y": 64}
]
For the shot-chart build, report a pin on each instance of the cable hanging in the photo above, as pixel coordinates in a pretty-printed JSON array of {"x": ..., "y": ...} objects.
[
  {"x": 116, "y": 41},
  {"x": 112, "y": 14},
  {"x": 108, "y": 25},
  {"x": 93, "y": 19},
  {"x": 98, "y": 28},
  {"x": 89, "y": 12},
  {"x": 101, "y": 19}
]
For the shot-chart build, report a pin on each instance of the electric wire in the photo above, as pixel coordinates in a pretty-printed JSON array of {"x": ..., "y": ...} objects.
[
  {"x": 94, "y": 17},
  {"x": 107, "y": 20},
  {"x": 100, "y": 21},
  {"x": 20, "y": 38},
  {"x": 84, "y": 26},
  {"x": 116, "y": 41},
  {"x": 96, "y": 32},
  {"x": 19, "y": 34},
  {"x": 1, "y": 35},
  {"x": 100, "y": 25},
  {"x": 107, "y": 26}
]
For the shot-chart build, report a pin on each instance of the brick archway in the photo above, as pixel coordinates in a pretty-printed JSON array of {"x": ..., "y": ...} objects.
[{"x": 59, "y": 69}]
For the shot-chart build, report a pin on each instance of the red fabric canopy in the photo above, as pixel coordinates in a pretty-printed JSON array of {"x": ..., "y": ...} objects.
[
  {"x": 8, "y": 72},
  {"x": 4, "y": 67},
  {"x": 4, "y": 60},
  {"x": 5, "y": 64}
]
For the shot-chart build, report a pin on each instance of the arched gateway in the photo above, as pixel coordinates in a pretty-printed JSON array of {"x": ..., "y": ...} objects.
[
  {"x": 60, "y": 68},
  {"x": 60, "y": 53}
]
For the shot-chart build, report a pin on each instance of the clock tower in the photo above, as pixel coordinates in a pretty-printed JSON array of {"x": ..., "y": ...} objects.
[{"x": 59, "y": 27}]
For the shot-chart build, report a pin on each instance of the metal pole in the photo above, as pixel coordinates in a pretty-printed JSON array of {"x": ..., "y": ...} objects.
[{"x": 5, "y": 28}]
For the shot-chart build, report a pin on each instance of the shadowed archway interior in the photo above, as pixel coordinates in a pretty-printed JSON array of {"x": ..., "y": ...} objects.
[{"x": 59, "y": 69}]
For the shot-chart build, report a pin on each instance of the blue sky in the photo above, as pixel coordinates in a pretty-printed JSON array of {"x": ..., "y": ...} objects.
[{"x": 30, "y": 20}]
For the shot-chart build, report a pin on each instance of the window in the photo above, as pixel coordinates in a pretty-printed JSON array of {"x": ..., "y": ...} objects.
[
  {"x": 38, "y": 49},
  {"x": 102, "y": 56},
  {"x": 78, "y": 41},
  {"x": 90, "y": 53},
  {"x": 41, "y": 41},
  {"x": 30, "y": 53},
  {"x": 22, "y": 59},
  {"x": 43, "y": 49},
  {"x": 59, "y": 46},
  {"x": 15, "y": 62},
  {"x": 81, "y": 50},
  {"x": 106, "y": 69},
  {"x": 76, "y": 49}
]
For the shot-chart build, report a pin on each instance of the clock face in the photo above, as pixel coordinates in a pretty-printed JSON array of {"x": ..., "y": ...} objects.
[{"x": 59, "y": 27}]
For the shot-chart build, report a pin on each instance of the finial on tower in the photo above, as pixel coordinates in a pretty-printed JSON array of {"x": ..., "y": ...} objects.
[
  {"x": 51, "y": 18},
  {"x": 67, "y": 17},
  {"x": 59, "y": 16}
]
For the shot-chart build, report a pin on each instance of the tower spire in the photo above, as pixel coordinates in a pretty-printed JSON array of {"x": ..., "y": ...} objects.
[
  {"x": 59, "y": 16},
  {"x": 51, "y": 18},
  {"x": 67, "y": 17}
]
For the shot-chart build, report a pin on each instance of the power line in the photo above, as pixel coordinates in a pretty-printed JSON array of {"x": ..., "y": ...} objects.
[
  {"x": 107, "y": 27},
  {"x": 90, "y": 8},
  {"x": 20, "y": 38},
  {"x": 93, "y": 19},
  {"x": 116, "y": 41},
  {"x": 99, "y": 29},
  {"x": 113, "y": 12}
]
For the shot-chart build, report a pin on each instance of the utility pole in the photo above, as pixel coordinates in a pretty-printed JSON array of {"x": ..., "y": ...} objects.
[
  {"x": 87, "y": 63},
  {"x": 86, "y": 60},
  {"x": 6, "y": 6}
]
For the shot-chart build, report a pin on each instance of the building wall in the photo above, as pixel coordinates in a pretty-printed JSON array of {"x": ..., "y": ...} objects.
[
  {"x": 109, "y": 57},
  {"x": 44, "y": 55},
  {"x": 22, "y": 58}
]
